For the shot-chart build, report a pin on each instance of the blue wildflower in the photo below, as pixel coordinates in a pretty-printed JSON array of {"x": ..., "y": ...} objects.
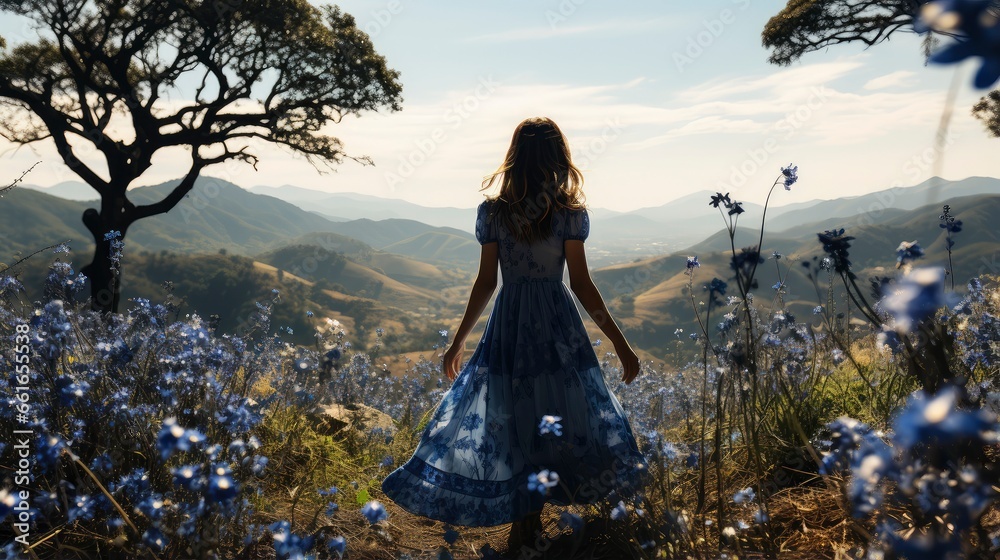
[
  {"x": 543, "y": 480},
  {"x": 550, "y": 424},
  {"x": 745, "y": 495},
  {"x": 619, "y": 512},
  {"x": 916, "y": 297},
  {"x": 154, "y": 539},
  {"x": 338, "y": 545},
  {"x": 450, "y": 535},
  {"x": 692, "y": 262},
  {"x": 976, "y": 26},
  {"x": 791, "y": 175},
  {"x": 374, "y": 512},
  {"x": 332, "y": 508},
  {"x": 938, "y": 418},
  {"x": 221, "y": 486},
  {"x": 907, "y": 252},
  {"x": 7, "y": 503}
]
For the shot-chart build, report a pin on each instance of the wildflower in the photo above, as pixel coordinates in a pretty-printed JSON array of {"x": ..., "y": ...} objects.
[
  {"x": 916, "y": 297},
  {"x": 975, "y": 25},
  {"x": 938, "y": 417},
  {"x": 338, "y": 545},
  {"x": 692, "y": 460},
  {"x": 450, "y": 535},
  {"x": 791, "y": 175},
  {"x": 776, "y": 255},
  {"x": 332, "y": 508},
  {"x": 619, "y": 512},
  {"x": 543, "y": 480},
  {"x": 374, "y": 512},
  {"x": 7, "y": 502},
  {"x": 692, "y": 262},
  {"x": 907, "y": 252},
  {"x": 286, "y": 543},
  {"x": 187, "y": 476},
  {"x": 720, "y": 198},
  {"x": 154, "y": 539},
  {"x": 221, "y": 486},
  {"x": 836, "y": 244},
  {"x": 736, "y": 209},
  {"x": 777, "y": 286},
  {"x": 678, "y": 332},
  {"x": 761, "y": 517},
  {"x": 745, "y": 495},
  {"x": 670, "y": 451},
  {"x": 387, "y": 461},
  {"x": 550, "y": 424},
  {"x": 948, "y": 222}
]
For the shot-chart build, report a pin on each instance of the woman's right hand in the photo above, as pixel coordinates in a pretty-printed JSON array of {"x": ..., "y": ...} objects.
[
  {"x": 453, "y": 359},
  {"x": 630, "y": 363}
]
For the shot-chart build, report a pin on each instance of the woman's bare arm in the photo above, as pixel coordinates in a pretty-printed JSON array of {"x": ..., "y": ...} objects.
[
  {"x": 586, "y": 291},
  {"x": 482, "y": 290}
]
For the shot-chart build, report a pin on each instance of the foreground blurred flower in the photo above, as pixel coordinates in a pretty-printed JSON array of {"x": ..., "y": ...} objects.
[
  {"x": 938, "y": 419},
  {"x": 907, "y": 252},
  {"x": 175, "y": 438},
  {"x": 550, "y": 424},
  {"x": 916, "y": 297},
  {"x": 543, "y": 480},
  {"x": 620, "y": 511},
  {"x": 692, "y": 262},
  {"x": 976, "y": 26},
  {"x": 374, "y": 512}
]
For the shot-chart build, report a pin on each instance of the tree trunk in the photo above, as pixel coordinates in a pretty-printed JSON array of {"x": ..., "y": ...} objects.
[{"x": 105, "y": 281}]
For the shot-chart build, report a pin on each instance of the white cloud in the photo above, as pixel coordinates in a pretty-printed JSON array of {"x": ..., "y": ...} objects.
[
  {"x": 901, "y": 78},
  {"x": 559, "y": 30}
]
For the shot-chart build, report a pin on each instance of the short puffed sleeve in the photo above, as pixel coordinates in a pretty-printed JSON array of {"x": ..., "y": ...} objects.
[
  {"x": 485, "y": 224},
  {"x": 577, "y": 225}
]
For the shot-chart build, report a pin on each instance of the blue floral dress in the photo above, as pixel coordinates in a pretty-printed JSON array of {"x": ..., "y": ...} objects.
[{"x": 474, "y": 458}]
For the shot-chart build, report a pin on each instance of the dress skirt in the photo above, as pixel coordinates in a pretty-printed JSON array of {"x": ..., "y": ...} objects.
[{"x": 472, "y": 464}]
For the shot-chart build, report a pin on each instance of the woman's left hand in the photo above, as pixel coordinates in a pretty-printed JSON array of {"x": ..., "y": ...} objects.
[{"x": 453, "y": 359}]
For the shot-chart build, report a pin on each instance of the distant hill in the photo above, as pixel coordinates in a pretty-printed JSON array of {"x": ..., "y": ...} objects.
[
  {"x": 651, "y": 295},
  {"x": 882, "y": 204},
  {"x": 356, "y": 205},
  {"x": 70, "y": 190},
  {"x": 439, "y": 247}
]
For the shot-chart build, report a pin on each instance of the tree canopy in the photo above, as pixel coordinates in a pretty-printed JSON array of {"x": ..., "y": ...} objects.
[
  {"x": 805, "y": 26},
  {"x": 127, "y": 78}
]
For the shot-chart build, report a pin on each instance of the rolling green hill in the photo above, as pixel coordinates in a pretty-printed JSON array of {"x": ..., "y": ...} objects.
[
  {"x": 651, "y": 297},
  {"x": 439, "y": 247}
]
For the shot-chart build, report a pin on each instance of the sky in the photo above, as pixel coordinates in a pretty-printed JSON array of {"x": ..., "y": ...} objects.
[{"x": 658, "y": 99}]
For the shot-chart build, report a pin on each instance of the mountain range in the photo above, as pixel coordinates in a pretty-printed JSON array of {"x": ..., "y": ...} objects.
[{"x": 389, "y": 265}]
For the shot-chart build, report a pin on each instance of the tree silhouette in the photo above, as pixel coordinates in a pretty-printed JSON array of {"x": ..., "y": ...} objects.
[
  {"x": 125, "y": 79},
  {"x": 805, "y": 26}
]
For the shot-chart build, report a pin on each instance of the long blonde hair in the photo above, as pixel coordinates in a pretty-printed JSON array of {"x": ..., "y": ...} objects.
[{"x": 537, "y": 178}]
